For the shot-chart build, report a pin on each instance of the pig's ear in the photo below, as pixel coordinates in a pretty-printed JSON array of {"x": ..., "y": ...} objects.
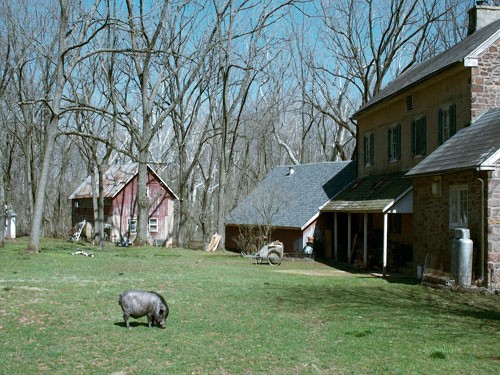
[{"x": 160, "y": 308}]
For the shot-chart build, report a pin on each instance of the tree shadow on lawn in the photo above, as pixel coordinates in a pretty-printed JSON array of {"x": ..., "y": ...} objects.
[
  {"x": 385, "y": 299},
  {"x": 391, "y": 277}
]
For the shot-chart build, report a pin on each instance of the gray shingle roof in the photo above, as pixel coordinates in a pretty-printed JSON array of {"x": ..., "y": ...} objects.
[
  {"x": 472, "y": 147},
  {"x": 468, "y": 48},
  {"x": 370, "y": 194},
  {"x": 292, "y": 200}
]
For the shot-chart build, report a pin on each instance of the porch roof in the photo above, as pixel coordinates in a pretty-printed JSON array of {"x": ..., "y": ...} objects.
[
  {"x": 474, "y": 147},
  {"x": 371, "y": 194}
]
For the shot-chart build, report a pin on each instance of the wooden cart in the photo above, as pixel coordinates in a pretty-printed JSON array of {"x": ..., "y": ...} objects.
[{"x": 271, "y": 253}]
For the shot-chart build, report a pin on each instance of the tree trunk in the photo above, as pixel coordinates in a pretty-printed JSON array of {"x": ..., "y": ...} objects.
[
  {"x": 37, "y": 221},
  {"x": 100, "y": 175},
  {"x": 52, "y": 130},
  {"x": 2, "y": 195},
  {"x": 142, "y": 205},
  {"x": 95, "y": 201}
]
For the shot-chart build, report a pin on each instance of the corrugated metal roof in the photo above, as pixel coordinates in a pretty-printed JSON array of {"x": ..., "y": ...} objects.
[
  {"x": 370, "y": 194},
  {"x": 292, "y": 199},
  {"x": 467, "y": 48},
  {"x": 116, "y": 177},
  {"x": 471, "y": 147}
]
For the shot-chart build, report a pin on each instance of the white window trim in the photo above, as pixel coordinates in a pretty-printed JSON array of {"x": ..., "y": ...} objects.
[
  {"x": 446, "y": 121},
  {"x": 457, "y": 205},
  {"x": 395, "y": 146},
  {"x": 153, "y": 225},
  {"x": 134, "y": 229}
]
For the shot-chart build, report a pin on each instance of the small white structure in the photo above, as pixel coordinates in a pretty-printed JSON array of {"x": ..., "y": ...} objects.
[{"x": 10, "y": 223}]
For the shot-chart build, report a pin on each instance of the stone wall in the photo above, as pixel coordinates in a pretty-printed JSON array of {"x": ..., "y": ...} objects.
[
  {"x": 431, "y": 232},
  {"x": 485, "y": 81}
]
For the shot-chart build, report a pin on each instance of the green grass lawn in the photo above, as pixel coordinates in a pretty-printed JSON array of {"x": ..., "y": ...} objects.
[{"x": 59, "y": 314}]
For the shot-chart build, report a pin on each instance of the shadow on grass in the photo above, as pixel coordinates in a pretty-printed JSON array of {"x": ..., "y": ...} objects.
[
  {"x": 383, "y": 300},
  {"x": 132, "y": 324},
  {"x": 391, "y": 277}
]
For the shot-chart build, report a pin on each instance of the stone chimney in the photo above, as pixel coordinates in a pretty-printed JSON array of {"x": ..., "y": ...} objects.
[{"x": 481, "y": 15}]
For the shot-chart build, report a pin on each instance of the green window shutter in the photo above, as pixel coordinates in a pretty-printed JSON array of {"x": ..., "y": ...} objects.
[
  {"x": 389, "y": 142},
  {"x": 453, "y": 119},
  {"x": 423, "y": 135},
  {"x": 365, "y": 147},
  {"x": 413, "y": 137},
  {"x": 440, "y": 127},
  {"x": 398, "y": 142},
  {"x": 372, "y": 148}
]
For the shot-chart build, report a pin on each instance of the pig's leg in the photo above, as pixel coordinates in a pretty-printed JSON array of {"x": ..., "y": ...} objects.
[{"x": 125, "y": 317}]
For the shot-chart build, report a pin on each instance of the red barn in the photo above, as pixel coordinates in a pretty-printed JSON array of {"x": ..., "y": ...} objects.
[{"x": 120, "y": 204}]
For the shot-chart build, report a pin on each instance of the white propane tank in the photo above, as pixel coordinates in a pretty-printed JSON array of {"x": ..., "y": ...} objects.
[{"x": 461, "y": 257}]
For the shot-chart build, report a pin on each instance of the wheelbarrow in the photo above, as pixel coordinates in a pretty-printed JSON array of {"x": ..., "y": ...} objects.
[{"x": 271, "y": 253}]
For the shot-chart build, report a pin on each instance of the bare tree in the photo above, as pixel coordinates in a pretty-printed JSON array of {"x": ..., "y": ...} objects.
[
  {"x": 260, "y": 216},
  {"x": 5, "y": 77},
  {"x": 237, "y": 73},
  {"x": 71, "y": 36}
]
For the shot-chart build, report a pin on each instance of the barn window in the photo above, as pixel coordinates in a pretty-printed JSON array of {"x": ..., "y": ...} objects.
[
  {"x": 132, "y": 225},
  {"x": 153, "y": 224}
]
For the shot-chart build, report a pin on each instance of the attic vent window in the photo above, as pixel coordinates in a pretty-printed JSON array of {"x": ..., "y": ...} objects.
[{"x": 409, "y": 103}]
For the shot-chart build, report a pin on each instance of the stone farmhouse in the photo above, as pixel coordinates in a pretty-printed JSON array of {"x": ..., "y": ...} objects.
[{"x": 428, "y": 162}]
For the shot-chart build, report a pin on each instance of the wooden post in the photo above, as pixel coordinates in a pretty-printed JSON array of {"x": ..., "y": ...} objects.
[
  {"x": 349, "y": 238},
  {"x": 384, "y": 263},
  {"x": 365, "y": 240},
  {"x": 335, "y": 237}
]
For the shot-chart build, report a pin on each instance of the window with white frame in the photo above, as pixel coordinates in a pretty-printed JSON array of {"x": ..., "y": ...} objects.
[
  {"x": 418, "y": 136},
  {"x": 458, "y": 205},
  {"x": 369, "y": 144},
  {"x": 153, "y": 225},
  {"x": 132, "y": 225},
  {"x": 394, "y": 143},
  {"x": 447, "y": 122}
]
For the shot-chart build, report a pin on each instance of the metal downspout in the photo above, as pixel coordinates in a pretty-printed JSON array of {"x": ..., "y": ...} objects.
[{"x": 482, "y": 230}]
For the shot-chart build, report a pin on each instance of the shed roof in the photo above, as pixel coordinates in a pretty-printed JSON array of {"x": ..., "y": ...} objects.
[
  {"x": 466, "y": 52},
  {"x": 116, "y": 177},
  {"x": 290, "y": 196},
  {"x": 375, "y": 193},
  {"x": 476, "y": 146}
]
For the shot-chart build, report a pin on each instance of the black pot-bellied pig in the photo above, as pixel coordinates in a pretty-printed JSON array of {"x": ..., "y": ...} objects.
[{"x": 137, "y": 303}]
